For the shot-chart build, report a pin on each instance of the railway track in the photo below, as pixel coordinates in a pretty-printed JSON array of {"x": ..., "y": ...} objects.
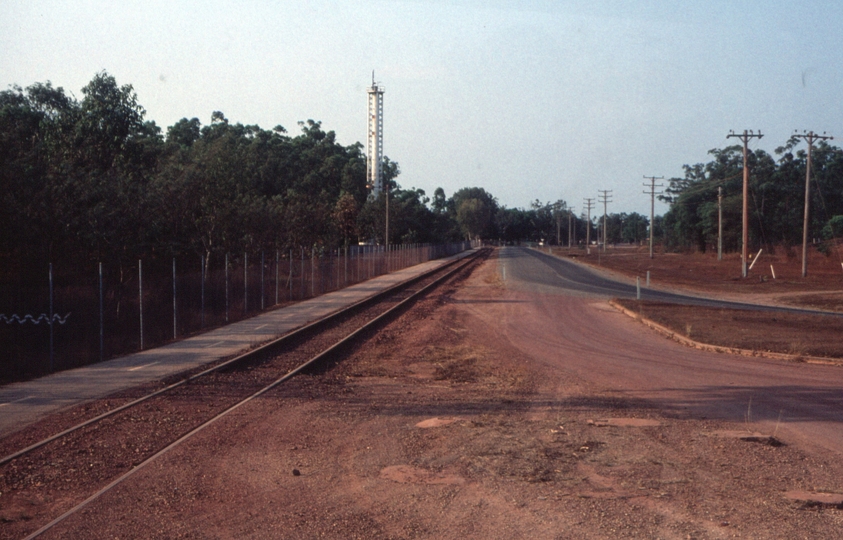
[{"x": 103, "y": 451}]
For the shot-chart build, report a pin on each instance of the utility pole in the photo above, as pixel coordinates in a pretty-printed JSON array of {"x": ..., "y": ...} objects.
[
  {"x": 652, "y": 193},
  {"x": 810, "y": 137},
  {"x": 556, "y": 208},
  {"x": 571, "y": 232},
  {"x": 605, "y": 195},
  {"x": 719, "y": 223},
  {"x": 589, "y": 204},
  {"x": 745, "y": 137}
]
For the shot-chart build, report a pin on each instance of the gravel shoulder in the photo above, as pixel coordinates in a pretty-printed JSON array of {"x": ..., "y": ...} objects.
[{"x": 441, "y": 428}]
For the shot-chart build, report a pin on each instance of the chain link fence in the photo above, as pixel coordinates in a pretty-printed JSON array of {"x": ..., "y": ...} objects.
[{"x": 71, "y": 317}]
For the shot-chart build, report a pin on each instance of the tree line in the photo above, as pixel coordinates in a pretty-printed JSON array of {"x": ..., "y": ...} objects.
[
  {"x": 93, "y": 180},
  {"x": 776, "y": 198}
]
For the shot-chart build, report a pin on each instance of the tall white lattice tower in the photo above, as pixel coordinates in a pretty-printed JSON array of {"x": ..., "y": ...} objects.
[{"x": 374, "y": 150}]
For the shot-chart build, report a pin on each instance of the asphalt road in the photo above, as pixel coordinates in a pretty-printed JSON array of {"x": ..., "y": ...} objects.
[
  {"x": 555, "y": 311},
  {"x": 562, "y": 274}
]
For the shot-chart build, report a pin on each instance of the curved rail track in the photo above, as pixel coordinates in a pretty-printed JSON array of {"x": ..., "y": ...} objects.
[{"x": 109, "y": 448}]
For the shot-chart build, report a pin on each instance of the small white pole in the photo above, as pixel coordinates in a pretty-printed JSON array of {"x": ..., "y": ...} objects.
[
  {"x": 773, "y": 270},
  {"x": 648, "y": 278},
  {"x": 638, "y": 287}
]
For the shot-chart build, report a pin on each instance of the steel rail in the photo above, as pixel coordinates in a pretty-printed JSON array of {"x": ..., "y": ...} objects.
[
  {"x": 315, "y": 359},
  {"x": 266, "y": 348}
]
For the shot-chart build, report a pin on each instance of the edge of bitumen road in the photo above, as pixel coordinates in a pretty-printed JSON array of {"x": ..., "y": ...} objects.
[
  {"x": 685, "y": 291},
  {"x": 25, "y": 402},
  {"x": 671, "y": 334}
]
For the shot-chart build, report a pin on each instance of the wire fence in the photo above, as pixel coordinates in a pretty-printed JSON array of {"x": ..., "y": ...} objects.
[{"x": 72, "y": 317}]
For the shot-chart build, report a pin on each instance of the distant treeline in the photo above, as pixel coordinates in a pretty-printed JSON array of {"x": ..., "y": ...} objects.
[
  {"x": 776, "y": 198},
  {"x": 91, "y": 180}
]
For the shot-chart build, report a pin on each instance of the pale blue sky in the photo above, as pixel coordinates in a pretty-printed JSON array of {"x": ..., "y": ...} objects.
[{"x": 530, "y": 100}]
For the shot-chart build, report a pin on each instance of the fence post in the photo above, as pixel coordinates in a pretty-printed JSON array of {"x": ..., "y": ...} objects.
[
  {"x": 277, "y": 259},
  {"x": 263, "y": 294},
  {"x": 226, "y": 287},
  {"x": 140, "y": 299},
  {"x": 245, "y": 284},
  {"x": 102, "y": 317},
  {"x": 52, "y": 359},
  {"x": 175, "y": 332},
  {"x": 202, "y": 277}
]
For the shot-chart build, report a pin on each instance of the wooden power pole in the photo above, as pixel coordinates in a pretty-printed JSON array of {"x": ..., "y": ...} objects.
[
  {"x": 810, "y": 137},
  {"x": 604, "y": 196},
  {"x": 589, "y": 204},
  {"x": 745, "y": 137},
  {"x": 652, "y": 193}
]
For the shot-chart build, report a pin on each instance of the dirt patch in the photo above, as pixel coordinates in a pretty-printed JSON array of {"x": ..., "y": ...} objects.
[
  {"x": 827, "y": 301},
  {"x": 406, "y": 474},
  {"x": 436, "y": 422},
  {"x": 799, "y": 335}
]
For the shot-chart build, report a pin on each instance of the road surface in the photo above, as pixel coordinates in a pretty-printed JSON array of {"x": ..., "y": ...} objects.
[{"x": 557, "y": 311}]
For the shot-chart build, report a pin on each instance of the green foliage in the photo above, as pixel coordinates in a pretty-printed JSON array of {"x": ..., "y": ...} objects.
[
  {"x": 776, "y": 197},
  {"x": 834, "y": 228},
  {"x": 91, "y": 180},
  {"x": 474, "y": 210}
]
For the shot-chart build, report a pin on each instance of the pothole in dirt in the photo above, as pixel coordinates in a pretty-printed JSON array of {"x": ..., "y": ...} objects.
[
  {"x": 436, "y": 422},
  {"x": 748, "y": 436},
  {"x": 625, "y": 422},
  {"x": 814, "y": 499},
  {"x": 407, "y": 474}
]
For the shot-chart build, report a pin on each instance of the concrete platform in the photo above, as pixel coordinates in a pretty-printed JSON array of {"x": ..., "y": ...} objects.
[{"x": 26, "y": 402}]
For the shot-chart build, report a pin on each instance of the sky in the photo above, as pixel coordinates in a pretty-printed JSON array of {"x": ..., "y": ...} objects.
[{"x": 528, "y": 99}]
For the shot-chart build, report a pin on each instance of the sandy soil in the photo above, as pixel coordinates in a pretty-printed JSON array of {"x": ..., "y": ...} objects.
[{"x": 440, "y": 428}]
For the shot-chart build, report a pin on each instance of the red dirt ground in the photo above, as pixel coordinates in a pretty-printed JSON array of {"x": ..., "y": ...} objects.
[{"x": 441, "y": 428}]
